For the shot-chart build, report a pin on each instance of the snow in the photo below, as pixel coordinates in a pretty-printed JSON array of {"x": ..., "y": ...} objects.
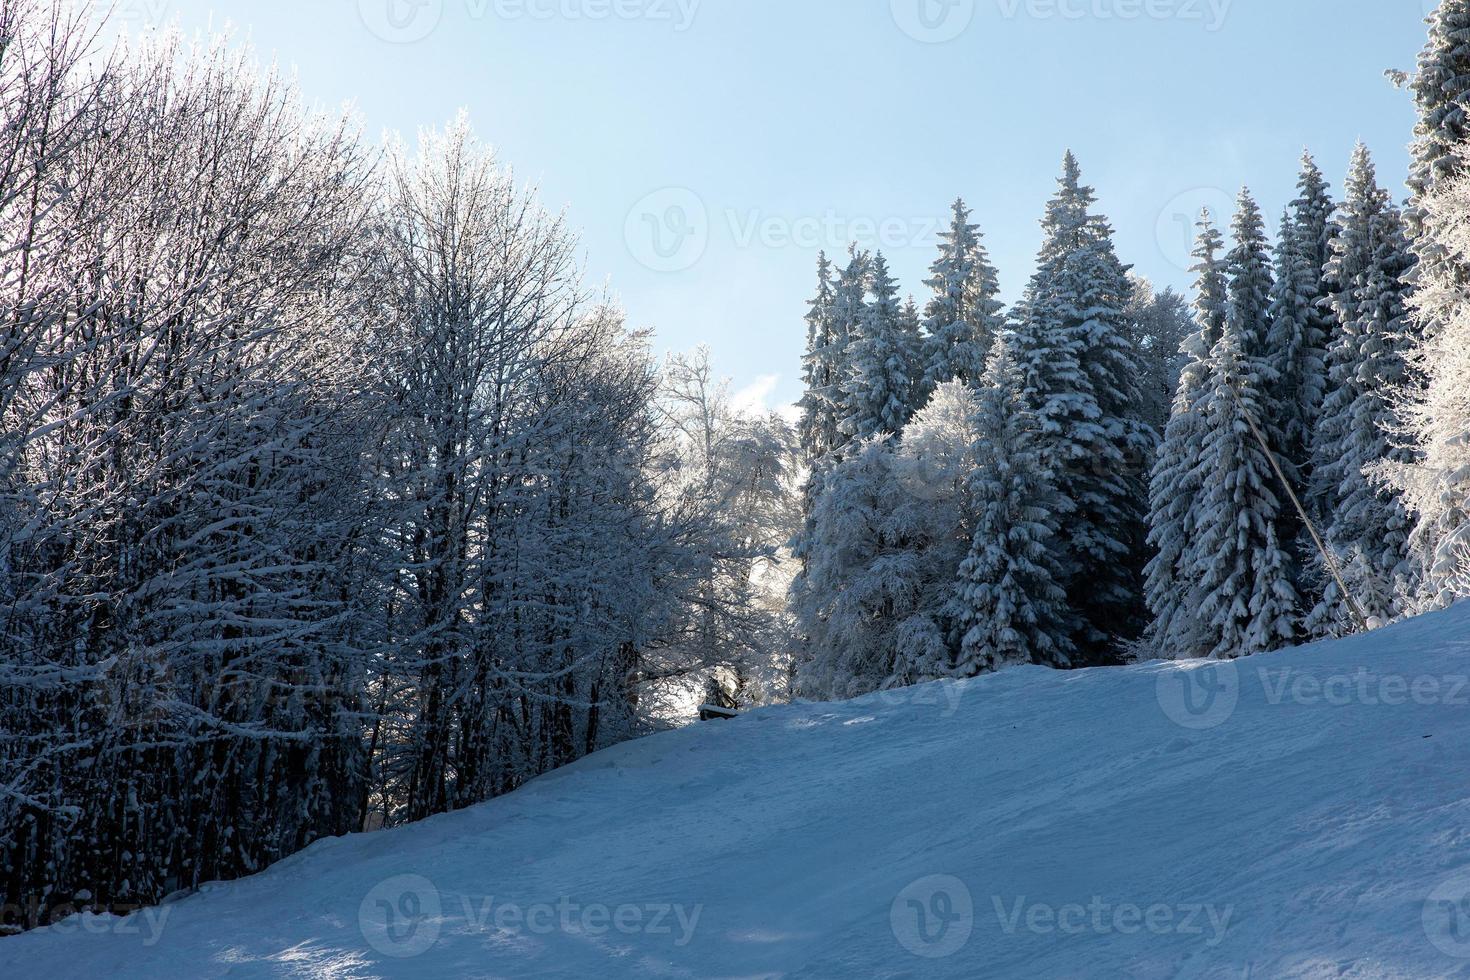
[{"x": 1300, "y": 814}]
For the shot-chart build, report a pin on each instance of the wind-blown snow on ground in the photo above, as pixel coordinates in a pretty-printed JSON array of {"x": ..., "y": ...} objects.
[{"x": 1305, "y": 814}]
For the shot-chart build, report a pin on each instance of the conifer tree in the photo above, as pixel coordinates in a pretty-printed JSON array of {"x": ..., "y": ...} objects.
[
  {"x": 1080, "y": 376},
  {"x": 1301, "y": 327},
  {"x": 1234, "y": 558},
  {"x": 1437, "y": 417},
  {"x": 1441, "y": 87},
  {"x": 1368, "y": 525},
  {"x": 964, "y": 317},
  {"x": 819, "y": 430},
  {"x": 1009, "y": 606},
  {"x": 879, "y": 360},
  {"x": 1177, "y": 475}
]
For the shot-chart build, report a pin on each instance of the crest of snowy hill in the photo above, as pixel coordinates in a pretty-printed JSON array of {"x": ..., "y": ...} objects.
[{"x": 1303, "y": 814}]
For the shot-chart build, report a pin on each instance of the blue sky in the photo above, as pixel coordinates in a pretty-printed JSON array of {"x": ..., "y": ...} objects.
[{"x": 708, "y": 148}]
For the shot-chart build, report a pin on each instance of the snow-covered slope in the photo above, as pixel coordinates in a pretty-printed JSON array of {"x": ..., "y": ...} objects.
[{"x": 1304, "y": 815}]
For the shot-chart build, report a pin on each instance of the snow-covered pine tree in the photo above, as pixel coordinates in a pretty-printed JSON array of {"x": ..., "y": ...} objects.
[
  {"x": 844, "y": 601},
  {"x": 964, "y": 316},
  {"x": 1367, "y": 524},
  {"x": 879, "y": 387},
  {"x": 849, "y": 307},
  {"x": 818, "y": 428},
  {"x": 1234, "y": 559},
  {"x": 888, "y": 533},
  {"x": 1161, "y": 323},
  {"x": 1177, "y": 479},
  {"x": 1441, "y": 86},
  {"x": 913, "y": 342},
  {"x": 1301, "y": 329},
  {"x": 1437, "y": 422},
  {"x": 1009, "y": 606},
  {"x": 1080, "y": 371}
]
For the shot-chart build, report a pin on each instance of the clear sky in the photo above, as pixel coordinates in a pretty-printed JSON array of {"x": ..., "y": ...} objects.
[{"x": 708, "y": 148}]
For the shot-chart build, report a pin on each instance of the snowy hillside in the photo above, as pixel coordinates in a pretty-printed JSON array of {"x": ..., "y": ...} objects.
[{"x": 1303, "y": 814}]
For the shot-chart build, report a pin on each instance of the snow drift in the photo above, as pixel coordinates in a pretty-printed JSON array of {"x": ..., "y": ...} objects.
[{"x": 1302, "y": 814}]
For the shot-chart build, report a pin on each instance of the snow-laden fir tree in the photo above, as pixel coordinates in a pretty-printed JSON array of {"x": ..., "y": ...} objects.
[
  {"x": 1162, "y": 322},
  {"x": 820, "y": 367},
  {"x": 888, "y": 532},
  {"x": 1441, "y": 86},
  {"x": 1437, "y": 422},
  {"x": 1170, "y": 588},
  {"x": 1080, "y": 376},
  {"x": 964, "y": 316},
  {"x": 1368, "y": 526},
  {"x": 911, "y": 334},
  {"x": 1301, "y": 327},
  {"x": 878, "y": 391},
  {"x": 1234, "y": 559},
  {"x": 1009, "y": 606}
]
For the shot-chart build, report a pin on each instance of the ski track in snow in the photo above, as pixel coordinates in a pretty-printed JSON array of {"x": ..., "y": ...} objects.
[{"x": 1323, "y": 826}]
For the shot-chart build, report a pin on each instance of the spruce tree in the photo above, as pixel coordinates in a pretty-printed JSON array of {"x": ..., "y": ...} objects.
[
  {"x": 1368, "y": 525},
  {"x": 1177, "y": 476},
  {"x": 1162, "y": 322},
  {"x": 879, "y": 387},
  {"x": 1009, "y": 606},
  {"x": 915, "y": 348},
  {"x": 964, "y": 317},
  {"x": 1301, "y": 327},
  {"x": 1234, "y": 558},
  {"x": 1441, "y": 86},
  {"x": 1080, "y": 376},
  {"x": 819, "y": 430},
  {"x": 849, "y": 307},
  {"x": 1437, "y": 419}
]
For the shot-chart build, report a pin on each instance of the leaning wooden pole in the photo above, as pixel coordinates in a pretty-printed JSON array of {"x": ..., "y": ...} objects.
[{"x": 1327, "y": 556}]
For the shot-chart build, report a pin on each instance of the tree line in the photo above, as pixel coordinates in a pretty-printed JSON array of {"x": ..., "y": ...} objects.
[{"x": 1101, "y": 473}]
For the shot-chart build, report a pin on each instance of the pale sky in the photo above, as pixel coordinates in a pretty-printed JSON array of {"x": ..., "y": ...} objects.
[{"x": 708, "y": 148}]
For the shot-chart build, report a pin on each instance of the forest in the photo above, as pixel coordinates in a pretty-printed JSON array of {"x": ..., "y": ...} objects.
[{"x": 334, "y": 497}]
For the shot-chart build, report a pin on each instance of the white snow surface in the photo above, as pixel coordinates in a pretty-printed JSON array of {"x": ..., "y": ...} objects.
[{"x": 1309, "y": 821}]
